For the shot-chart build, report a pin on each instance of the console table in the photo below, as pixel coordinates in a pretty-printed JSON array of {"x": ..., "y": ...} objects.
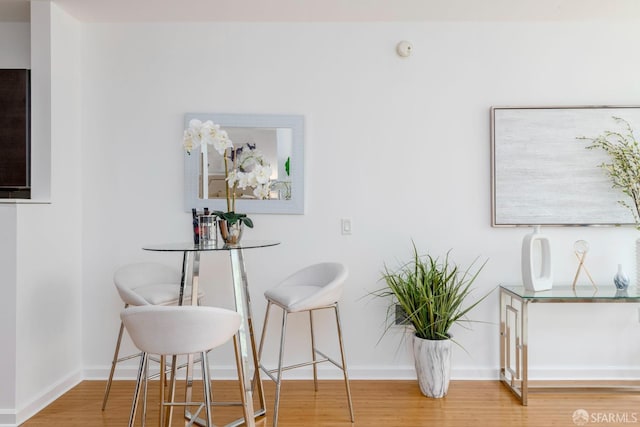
[{"x": 514, "y": 302}]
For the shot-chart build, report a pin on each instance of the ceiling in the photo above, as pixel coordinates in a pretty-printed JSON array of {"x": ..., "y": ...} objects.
[{"x": 330, "y": 10}]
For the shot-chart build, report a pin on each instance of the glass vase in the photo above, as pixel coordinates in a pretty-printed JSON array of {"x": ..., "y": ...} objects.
[
  {"x": 230, "y": 233},
  {"x": 621, "y": 280}
]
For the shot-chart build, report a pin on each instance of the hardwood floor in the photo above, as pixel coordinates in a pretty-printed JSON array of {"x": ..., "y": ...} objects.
[{"x": 376, "y": 403}]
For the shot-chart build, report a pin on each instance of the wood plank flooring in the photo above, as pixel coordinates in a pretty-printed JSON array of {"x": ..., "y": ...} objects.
[{"x": 376, "y": 403}]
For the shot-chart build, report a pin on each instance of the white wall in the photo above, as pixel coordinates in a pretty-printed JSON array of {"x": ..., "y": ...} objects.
[
  {"x": 44, "y": 287},
  {"x": 400, "y": 146},
  {"x": 8, "y": 313},
  {"x": 14, "y": 53},
  {"x": 14, "y": 45}
]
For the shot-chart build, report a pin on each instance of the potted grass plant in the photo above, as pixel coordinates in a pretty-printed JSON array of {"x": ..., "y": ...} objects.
[{"x": 432, "y": 293}]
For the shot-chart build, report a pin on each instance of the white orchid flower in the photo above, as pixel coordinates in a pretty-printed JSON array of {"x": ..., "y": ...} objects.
[
  {"x": 261, "y": 192},
  {"x": 195, "y": 124},
  {"x": 262, "y": 173},
  {"x": 253, "y": 179},
  {"x": 243, "y": 180},
  {"x": 249, "y": 169},
  {"x": 208, "y": 132},
  {"x": 232, "y": 178},
  {"x": 222, "y": 142},
  {"x": 187, "y": 141}
]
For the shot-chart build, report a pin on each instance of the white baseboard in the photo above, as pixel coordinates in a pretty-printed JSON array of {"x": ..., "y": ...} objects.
[
  {"x": 47, "y": 397},
  {"x": 400, "y": 373},
  {"x": 7, "y": 418},
  {"x": 585, "y": 373}
]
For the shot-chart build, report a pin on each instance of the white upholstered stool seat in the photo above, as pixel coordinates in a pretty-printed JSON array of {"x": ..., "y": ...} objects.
[
  {"x": 316, "y": 287},
  {"x": 140, "y": 284},
  {"x": 175, "y": 330}
]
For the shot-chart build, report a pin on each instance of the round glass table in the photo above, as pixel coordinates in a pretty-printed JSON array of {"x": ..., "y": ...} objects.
[{"x": 246, "y": 339}]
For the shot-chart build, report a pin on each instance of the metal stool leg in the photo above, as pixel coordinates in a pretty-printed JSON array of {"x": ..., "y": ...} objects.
[
  {"x": 163, "y": 383},
  {"x": 344, "y": 363},
  {"x": 144, "y": 393},
  {"x": 116, "y": 353},
  {"x": 313, "y": 352},
  {"x": 280, "y": 359},
  {"x": 256, "y": 374},
  {"x": 206, "y": 379},
  {"x": 240, "y": 370},
  {"x": 136, "y": 393},
  {"x": 264, "y": 330}
]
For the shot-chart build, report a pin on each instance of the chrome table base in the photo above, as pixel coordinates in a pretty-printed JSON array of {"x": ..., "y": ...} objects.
[{"x": 514, "y": 347}]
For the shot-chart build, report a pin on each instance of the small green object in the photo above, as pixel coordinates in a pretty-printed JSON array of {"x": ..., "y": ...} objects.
[
  {"x": 232, "y": 218},
  {"x": 287, "y": 164}
]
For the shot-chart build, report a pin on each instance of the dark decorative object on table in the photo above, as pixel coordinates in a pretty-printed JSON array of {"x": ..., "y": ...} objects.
[
  {"x": 196, "y": 226},
  {"x": 196, "y": 231}
]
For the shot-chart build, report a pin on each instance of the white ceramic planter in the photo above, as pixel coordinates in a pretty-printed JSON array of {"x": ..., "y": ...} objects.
[{"x": 433, "y": 365}]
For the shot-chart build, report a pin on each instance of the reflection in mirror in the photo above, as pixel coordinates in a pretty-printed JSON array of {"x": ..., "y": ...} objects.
[
  {"x": 275, "y": 147},
  {"x": 279, "y": 139}
]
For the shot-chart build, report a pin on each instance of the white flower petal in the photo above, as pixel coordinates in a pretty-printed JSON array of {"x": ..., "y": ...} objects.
[
  {"x": 262, "y": 174},
  {"x": 261, "y": 192},
  {"x": 187, "y": 141},
  {"x": 195, "y": 124}
]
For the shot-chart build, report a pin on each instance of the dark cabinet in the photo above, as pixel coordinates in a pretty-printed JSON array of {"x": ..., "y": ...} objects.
[{"x": 15, "y": 133}]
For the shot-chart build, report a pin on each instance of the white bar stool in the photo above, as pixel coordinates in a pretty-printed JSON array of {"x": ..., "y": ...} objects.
[
  {"x": 140, "y": 284},
  {"x": 316, "y": 287},
  {"x": 176, "y": 330}
]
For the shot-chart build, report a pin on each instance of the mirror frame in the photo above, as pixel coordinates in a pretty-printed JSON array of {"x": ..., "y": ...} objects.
[{"x": 295, "y": 205}]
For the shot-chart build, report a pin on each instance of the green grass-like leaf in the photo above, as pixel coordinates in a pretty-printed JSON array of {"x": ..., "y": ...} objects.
[{"x": 431, "y": 292}]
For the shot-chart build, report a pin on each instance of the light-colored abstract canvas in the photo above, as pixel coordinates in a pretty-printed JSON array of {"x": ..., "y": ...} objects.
[{"x": 543, "y": 174}]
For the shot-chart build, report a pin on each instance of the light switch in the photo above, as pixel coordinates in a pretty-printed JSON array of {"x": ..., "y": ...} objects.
[{"x": 346, "y": 226}]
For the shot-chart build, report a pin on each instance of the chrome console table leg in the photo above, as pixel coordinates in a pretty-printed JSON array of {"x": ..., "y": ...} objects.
[
  {"x": 524, "y": 347},
  {"x": 513, "y": 344}
]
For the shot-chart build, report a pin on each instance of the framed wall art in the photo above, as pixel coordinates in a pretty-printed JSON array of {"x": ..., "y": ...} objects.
[{"x": 542, "y": 173}]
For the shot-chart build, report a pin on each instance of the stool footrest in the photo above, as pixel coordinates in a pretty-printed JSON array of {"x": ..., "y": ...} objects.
[
  {"x": 226, "y": 403},
  {"x": 328, "y": 359},
  {"x": 270, "y": 372}
]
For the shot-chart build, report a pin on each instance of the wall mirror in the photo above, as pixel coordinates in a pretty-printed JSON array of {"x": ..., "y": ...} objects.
[{"x": 280, "y": 138}]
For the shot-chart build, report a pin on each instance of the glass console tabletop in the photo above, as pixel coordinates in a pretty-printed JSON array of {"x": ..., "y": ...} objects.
[{"x": 579, "y": 294}]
